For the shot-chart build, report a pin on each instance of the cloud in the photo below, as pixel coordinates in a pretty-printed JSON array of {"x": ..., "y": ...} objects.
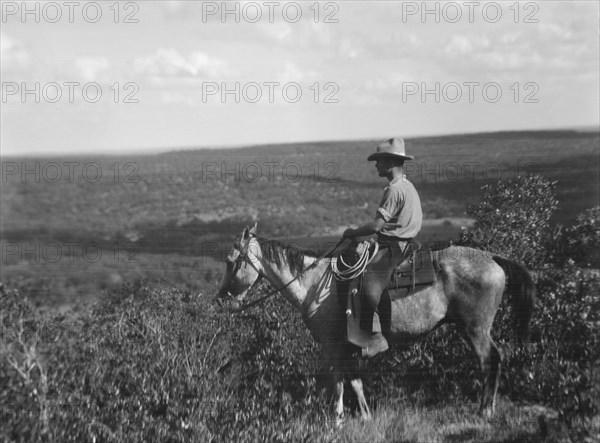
[
  {"x": 278, "y": 31},
  {"x": 388, "y": 83},
  {"x": 170, "y": 63},
  {"x": 178, "y": 98},
  {"x": 348, "y": 49},
  {"x": 90, "y": 67},
  {"x": 197, "y": 11},
  {"x": 553, "y": 30},
  {"x": 292, "y": 73},
  {"x": 461, "y": 45},
  {"x": 508, "y": 61},
  {"x": 175, "y": 9},
  {"x": 15, "y": 56}
]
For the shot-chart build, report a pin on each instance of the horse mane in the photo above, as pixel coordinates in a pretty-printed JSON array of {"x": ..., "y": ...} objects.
[{"x": 279, "y": 252}]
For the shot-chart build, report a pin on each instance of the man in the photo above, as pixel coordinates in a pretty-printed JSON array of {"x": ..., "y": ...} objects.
[{"x": 399, "y": 216}]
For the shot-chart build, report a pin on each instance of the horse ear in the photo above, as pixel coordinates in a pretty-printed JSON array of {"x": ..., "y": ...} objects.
[
  {"x": 245, "y": 234},
  {"x": 253, "y": 230}
]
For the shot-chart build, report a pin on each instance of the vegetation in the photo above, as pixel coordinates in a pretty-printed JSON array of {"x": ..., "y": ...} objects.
[
  {"x": 559, "y": 365},
  {"x": 159, "y": 361},
  {"x": 150, "y": 362},
  {"x": 166, "y": 212},
  {"x": 291, "y": 187}
]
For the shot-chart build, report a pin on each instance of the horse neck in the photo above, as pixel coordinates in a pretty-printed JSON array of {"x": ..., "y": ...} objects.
[{"x": 279, "y": 273}]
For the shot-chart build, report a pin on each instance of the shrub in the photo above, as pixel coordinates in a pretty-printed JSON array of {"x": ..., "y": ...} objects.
[
  {"x": 153, "y": 363},
  {"x": 556, "y": 368},
  {"x": 513, "y": 219},
  {"x": 23, "y": 370},
  {"x": 279, "y": 365},
  {"x": 141, "y": 367},
  {"x": 581, "y": 242}
]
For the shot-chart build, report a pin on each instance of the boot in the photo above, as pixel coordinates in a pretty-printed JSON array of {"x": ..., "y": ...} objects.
[{"x": 377, "y": 345}]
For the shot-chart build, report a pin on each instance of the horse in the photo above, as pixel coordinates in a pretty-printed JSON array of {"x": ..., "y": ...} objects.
[{"x": 467, "y": 293}]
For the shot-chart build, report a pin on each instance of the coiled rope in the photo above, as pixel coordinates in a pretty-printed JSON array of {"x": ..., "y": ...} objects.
[{"x": 357, "y": 268}]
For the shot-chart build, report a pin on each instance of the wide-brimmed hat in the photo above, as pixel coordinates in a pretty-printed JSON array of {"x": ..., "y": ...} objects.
[{"x": 394, "y": 148}]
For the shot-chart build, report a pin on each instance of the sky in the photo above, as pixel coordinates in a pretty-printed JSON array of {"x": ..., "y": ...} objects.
[{"x": 151, "y": 76}]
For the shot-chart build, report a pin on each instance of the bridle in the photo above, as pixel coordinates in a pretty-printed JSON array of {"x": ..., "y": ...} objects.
[{"x": 244, "y": 258}]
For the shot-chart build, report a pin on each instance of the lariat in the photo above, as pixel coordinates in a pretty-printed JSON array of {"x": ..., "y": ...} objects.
[{"x": 357, "y": 268}]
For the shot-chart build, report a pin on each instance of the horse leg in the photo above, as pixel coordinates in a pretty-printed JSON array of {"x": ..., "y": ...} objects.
[
  {"x": 489, "y": 359},
  {"x": 357, "y": 386},
  {"x": 333, "y": 364},
  {"x": 339, "y": 397},
  {"x": 494, "y": 378}
]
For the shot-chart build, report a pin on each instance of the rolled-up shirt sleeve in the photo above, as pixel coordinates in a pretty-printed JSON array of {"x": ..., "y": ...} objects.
[{"x": 391, "y": 203}]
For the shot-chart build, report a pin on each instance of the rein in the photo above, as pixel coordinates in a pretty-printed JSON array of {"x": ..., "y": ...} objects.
[{"x": 244, "y": 257}]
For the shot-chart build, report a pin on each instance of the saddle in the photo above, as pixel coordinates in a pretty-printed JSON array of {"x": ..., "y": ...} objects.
[{"x": 415, "y": 272}]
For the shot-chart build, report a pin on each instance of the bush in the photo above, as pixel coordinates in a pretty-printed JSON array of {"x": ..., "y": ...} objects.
[
  {"x": 279, "y": 366},
  {"x": 581, "y": 242},
  {"x": 557, "y": 367},
  {"x": 127, "y": 372},
  {"x": 513, "y": 219},
  {"x": 23, "y": 370},
  {"x": 152, "y": 363}
]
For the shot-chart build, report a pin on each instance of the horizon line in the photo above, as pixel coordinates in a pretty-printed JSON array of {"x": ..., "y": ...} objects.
[{"x": 168, "y": 150}]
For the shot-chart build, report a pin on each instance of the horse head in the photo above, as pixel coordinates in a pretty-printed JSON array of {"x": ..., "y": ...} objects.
[{"x": 242, "y": 266}]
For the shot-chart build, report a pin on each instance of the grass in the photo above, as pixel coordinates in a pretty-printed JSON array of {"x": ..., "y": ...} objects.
[
  {"x": 74, "y": 280},
  {"x": 403, "y": 421},
  {"x": 153, "y": 362}
]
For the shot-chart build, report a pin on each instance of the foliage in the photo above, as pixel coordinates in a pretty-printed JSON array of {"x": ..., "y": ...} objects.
[
  {"x": 513, "y": 219},
  {"x": 557, "y": 367},
  {"x": 22, "y": 369},
  {"x": 122, "y": 373},
  {"x": 150, "y": 362},
  {"x": 581, "y": 242}
]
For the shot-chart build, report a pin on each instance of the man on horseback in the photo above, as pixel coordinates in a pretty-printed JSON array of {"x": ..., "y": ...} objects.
[{"x": 397, "y": 222}]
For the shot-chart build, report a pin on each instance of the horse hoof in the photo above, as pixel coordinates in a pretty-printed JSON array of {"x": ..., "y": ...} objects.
[{"x": 487, "y": 412}]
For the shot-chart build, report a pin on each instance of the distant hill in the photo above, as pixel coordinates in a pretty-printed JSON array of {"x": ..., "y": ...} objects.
[
  {"x": 294, "y": 189},
  {"x": 174, "y": 215}
]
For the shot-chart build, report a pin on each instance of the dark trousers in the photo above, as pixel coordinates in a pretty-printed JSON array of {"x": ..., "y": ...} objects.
[{"x": 371, "y": 293}]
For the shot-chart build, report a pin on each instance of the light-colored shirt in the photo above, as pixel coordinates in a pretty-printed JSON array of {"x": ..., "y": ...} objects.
[{"x": 400, "y": 208}]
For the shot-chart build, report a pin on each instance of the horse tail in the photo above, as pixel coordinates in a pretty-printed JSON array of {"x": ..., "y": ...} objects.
[{"x": 522, "y": 291}]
